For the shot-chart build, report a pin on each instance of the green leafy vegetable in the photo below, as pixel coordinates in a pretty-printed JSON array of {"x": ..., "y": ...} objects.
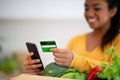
[
  {"x": 9, "y": 64},
  {"x": 74, "y": 74},
  {"x": 54, "y": 70},
  {"x": 112, "y": 70}
]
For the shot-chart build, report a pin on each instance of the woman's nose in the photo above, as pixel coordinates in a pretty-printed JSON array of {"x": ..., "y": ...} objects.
[{"x": 89, "y": 13}]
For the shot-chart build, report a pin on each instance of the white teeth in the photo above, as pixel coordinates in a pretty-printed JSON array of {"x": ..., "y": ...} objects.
[{"x": 92, "y": 20}]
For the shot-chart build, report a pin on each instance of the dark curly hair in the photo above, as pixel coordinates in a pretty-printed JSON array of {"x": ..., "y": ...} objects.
[{"x": 115, "y": 23}]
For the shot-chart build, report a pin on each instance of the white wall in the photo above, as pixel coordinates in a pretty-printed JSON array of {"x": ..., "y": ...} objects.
[
  {"x": 44, "y": 9},
  {"x": 16, "y": 33}
]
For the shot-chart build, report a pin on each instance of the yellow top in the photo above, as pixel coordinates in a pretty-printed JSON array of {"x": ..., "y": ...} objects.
[{"x": 84, "y": 60}]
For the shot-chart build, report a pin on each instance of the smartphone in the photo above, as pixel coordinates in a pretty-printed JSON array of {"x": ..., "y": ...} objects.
[{"x": 33, "y": 48}]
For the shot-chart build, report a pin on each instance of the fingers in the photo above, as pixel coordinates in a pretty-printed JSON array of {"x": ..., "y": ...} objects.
[
  {"x": 63, "y": 57},
  {"x": 60, "y": 64},
  {"x": 30, "y": 65},
  {"x": 29, "y": 62},
  {"x": 32, "y": 71},
  {"x": 58, "y": 50},
  {"x": 60, "y": 55},
  {"x": 35, "y": 66},
  {"x": 60, "y": 61},
  {"x": 28, "y": 56},
  {"x": 35, "y": 71}
]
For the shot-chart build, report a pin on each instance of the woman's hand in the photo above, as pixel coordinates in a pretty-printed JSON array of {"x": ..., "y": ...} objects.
[
  {"x": 30, "y": 65},
  {"x": 63, "y": 57}
]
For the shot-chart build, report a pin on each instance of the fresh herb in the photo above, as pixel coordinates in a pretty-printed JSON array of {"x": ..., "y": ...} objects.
[{"x": 112, "y": 70}]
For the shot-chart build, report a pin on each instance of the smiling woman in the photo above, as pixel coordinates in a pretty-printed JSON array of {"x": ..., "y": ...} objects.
[
  {"x": 100, "y": 15},
  {"x": 86, "y": 51}
]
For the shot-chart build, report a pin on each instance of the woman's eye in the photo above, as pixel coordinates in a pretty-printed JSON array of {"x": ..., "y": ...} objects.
[
  {"x": 97, "y": 9},
  {"x": 86, "y": 9}
]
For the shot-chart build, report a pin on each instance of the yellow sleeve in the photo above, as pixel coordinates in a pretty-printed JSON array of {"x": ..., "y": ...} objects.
[
  {"x": 83, "y": 63},
  {"x": 72, "y": 43},
  {"x": 117, "y": 45}
]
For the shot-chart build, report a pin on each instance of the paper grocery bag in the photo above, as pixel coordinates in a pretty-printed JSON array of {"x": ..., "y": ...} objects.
[{"x": 36, "y": 77}]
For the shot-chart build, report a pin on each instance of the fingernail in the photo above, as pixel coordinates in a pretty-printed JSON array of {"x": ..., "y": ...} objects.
[
  {"x": 38, "y": 60},
  {"x": 51, "y": 49}
]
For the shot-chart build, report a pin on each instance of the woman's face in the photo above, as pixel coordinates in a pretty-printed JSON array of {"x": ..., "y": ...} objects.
[{"x": 97, "y": 14}]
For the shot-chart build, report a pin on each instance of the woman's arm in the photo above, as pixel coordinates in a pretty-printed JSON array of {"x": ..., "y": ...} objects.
[{"x": 84, "y": 64}]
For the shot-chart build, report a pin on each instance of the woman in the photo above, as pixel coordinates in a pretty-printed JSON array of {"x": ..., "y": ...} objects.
[{"x": 86, "y": 51}]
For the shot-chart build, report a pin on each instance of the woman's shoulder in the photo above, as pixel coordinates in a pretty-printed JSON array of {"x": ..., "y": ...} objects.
[
  {"x": 76, "y": 38},
  {"x": 117, "y": 39},
  {"x": 117, "y": 44},
  {"x": 118, "y": 36}
]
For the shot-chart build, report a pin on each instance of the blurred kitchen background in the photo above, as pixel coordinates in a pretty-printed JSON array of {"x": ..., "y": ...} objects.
[{"x": 35, "y": 20}]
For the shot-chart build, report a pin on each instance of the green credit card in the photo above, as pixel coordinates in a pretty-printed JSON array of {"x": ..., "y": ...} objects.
[{"x": 47, "y": 45}]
